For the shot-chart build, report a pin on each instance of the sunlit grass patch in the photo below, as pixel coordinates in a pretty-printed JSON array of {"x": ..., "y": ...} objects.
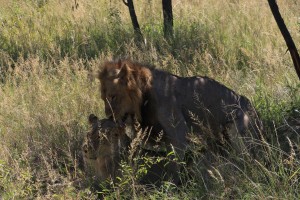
[{"x": 50, "y": 52}]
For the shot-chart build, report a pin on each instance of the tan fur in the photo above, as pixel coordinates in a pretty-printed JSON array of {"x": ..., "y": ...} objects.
[
  {"x": 171, "y": 103},
  {"x": 107, "y": 142},
  {"x": 102, "y": 148},
  {"x": 128, "y": 81}
]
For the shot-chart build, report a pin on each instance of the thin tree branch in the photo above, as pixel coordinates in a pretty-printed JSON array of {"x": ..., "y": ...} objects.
[
  {"x": 286, "y": 35},
  {"x": 126, "y": 3},
  {"x": 134, "y": 19}
]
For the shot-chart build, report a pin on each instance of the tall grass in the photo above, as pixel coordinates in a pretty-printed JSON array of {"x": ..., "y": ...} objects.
[{"x": 49, "y": 51}]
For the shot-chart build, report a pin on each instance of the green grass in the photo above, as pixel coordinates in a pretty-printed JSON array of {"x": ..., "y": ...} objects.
[{"x": 49, "y": 53}]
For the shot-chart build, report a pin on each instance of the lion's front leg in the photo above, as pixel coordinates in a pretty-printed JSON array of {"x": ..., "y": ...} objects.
[{"x": 176, "y": 130}]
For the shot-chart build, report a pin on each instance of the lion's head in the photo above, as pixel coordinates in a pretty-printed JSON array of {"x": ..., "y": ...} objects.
[{"x": 123, "y": 84}]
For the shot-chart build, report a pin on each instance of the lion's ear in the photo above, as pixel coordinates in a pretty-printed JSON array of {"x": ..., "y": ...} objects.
[
  {"x": 124, "y": 73},
  {"x": 119, "y": 63}
]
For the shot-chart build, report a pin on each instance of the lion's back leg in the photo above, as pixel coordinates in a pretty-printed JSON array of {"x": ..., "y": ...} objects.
[
  {"x": 235, "y": 132},
  {"x": 245, "y": 133}
]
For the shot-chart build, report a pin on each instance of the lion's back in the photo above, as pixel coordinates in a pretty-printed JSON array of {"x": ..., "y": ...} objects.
[{"x": 199, "y": 98}]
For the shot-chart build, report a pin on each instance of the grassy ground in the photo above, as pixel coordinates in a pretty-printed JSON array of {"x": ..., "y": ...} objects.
[{"x": 50, "y": 50}]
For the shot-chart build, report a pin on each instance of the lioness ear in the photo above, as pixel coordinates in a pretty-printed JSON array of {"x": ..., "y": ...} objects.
[{"x": 92, "y": 118}]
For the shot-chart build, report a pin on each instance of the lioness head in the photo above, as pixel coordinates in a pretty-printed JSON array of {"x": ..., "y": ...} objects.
[
  {"x": 122, "y": 86},
  {"x": 103, "y": 146},
  {"x": 106, "y": 143},
  {"x": 103, "y": 133}
]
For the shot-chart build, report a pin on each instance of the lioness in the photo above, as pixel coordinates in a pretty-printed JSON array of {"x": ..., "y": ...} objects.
[
  {"x": 177, "y": 105},
  {"x": 103, "y": 147},
  {"x": 107, "y": 142}
]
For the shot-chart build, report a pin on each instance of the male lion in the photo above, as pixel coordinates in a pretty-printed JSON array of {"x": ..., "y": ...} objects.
[{"x": 177, "y": 105}]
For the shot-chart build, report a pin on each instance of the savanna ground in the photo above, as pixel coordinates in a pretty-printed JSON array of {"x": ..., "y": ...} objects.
[{"x": 51, "y": 49}]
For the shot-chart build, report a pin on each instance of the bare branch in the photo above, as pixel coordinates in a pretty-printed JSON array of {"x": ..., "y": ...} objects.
[
  {"x": 126, "y": 3},
  {"x": 134, "y": 19},
  {"x": 286, "y": 35}
]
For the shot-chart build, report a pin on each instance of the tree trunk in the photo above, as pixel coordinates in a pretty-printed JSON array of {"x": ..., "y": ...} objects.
[
  {"x": 168, "y": 18},
  {"x": 134, "y": 19},
  {"x": 286, "y": 35}
]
